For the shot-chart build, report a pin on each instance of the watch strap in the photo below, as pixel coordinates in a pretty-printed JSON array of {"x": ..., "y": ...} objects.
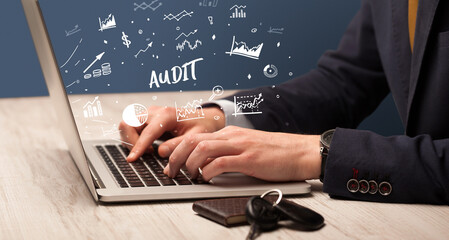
[
  {"x": 325, "y": 142},
  {"x": 323, "y": 153}
]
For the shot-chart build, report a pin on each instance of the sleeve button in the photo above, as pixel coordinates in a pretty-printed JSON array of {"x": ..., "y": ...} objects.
[
  {"x": 385, "y": 188},
  {"x": 373, "y": 187},
  {"x": 352, "y": 185},
  {"x": 363, "y": 186}
]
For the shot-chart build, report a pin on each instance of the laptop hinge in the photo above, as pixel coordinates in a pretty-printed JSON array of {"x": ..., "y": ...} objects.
[{"x": 97, "y": 181}]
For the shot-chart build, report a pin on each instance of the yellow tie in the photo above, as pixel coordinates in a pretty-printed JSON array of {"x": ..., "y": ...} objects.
[{"x": 412, "y": 12}]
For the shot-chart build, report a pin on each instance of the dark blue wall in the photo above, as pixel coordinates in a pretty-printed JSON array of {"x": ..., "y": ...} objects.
[
  {"x": 21, "y": 74},
  {"x": 20, "y": 70}
]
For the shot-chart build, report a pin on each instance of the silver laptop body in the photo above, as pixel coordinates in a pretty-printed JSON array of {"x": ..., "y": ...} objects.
[{"x": 98, "y": 178}]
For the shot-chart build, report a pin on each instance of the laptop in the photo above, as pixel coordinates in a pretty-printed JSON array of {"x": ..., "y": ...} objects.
[{"x": 102, "y": 163}]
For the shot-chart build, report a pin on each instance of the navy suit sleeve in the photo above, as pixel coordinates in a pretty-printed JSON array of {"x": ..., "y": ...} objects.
[
  {"x": 415, "y": 167},
  {"x": 347, "y": 85}
]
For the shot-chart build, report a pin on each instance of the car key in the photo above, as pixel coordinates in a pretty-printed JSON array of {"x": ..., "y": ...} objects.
[
  {"x": 261, "y": 216},
  {"x": 306, "y": 218}
]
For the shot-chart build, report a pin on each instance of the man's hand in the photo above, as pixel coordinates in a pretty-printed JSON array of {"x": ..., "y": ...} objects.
[
  {"x": 264, "y": 155},
  {"x": 162, "y": 120}
]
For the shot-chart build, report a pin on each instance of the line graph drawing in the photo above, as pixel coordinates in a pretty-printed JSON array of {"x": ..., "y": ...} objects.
[
  {"x": 179, "y": 16},
  {"x": 249, "y": 103},
  {"x": 145, "y": 6},
  {"x": 143, "y": 50},
  {"x": 112, "y": 131},
  {"x": 187, "y": 35},
  {"x": 181, "y": 46},
  {"x": 238, "y": 7},
  {"x": 276, "y": 30},
  {"x": 191, "y": 111},
  {"x": 108, "y": 23},
  {"x": 73, "y": 53},
  {"x": 73, "y": 31},
  {"x": 209, "y": 3},
  {"x": 71, "y": 84},
  {"x": 239, "y": 11},
  {"x": 241, "y": 49}
]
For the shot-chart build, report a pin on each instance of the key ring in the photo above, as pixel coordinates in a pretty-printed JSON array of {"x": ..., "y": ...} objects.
[{"x": 272, "y": 191}]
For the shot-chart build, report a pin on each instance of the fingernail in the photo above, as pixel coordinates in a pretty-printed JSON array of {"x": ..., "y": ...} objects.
[
  {"x": 167, "y": 169},
  {"x": 164, "y": 151},
  {"x": 130, "y": 156}
]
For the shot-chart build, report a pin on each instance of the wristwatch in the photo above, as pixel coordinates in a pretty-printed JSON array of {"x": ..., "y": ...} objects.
[{"x": 325, "y": 142}]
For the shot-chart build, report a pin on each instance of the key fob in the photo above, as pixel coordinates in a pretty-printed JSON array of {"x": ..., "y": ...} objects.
[
  {"x": 261, "y": 212},
  {"x": 305, "y": 217}
]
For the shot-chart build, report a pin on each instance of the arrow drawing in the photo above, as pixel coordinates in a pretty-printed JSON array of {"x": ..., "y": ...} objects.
[
  {"x": 97, "y": 58},
  {"x": 141, "y": 51},
  {"x": 276, "y": 30},
  {"x": 73, "y": 31},
  {"x": 91, "y": 103}
]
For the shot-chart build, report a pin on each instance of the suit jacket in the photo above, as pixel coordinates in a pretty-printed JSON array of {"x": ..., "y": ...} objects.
[{"x": 373, "y": 59}]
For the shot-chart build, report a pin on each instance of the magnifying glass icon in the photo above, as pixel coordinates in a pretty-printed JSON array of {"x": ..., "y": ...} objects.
[{"x": 216, "y": 91}]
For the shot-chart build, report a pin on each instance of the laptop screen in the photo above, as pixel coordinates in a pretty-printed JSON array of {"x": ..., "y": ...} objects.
[{"x": 117, "y": 46}]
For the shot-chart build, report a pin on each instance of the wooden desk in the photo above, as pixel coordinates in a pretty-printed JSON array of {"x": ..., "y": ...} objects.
[{"x": 42, "y": 195}]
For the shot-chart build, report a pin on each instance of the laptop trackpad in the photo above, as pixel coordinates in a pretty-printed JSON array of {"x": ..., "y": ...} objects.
[{"x": 235, "y": 179}]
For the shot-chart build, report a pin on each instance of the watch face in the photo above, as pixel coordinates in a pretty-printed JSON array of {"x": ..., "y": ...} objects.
[{"x": 326, "y": 138}]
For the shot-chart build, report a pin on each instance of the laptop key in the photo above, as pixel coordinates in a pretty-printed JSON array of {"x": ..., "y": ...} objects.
[
  {"x": 136, "y": 184},
  {"x": 167, "y": 182},
  {"x": 152, "y": 183},
  {"x": 125, "y": 150},
  {"x": 184, "y": 182}
]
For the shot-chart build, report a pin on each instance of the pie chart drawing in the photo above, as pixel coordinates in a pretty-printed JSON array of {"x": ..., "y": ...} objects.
[
  {"x": 270, "y": 71},
  {"x": 135, "y": 115}
]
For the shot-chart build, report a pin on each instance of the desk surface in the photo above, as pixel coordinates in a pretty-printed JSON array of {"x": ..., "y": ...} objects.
[{"x": 42, "y": 195}]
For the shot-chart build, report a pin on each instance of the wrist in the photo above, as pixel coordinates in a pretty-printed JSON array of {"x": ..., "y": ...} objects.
[
  {"x": 315, "y": 157},
  {"x": 308, "y": 157}
]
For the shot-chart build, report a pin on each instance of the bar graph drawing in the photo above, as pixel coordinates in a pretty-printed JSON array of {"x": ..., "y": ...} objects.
[
  {"x": 209, "y": 3},
  {"x": 239, "y": 11},
  {"x": 93, "y": 109}
]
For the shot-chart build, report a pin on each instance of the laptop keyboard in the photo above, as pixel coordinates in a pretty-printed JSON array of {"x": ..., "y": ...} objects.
[{"x": 145, "y": 172}]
